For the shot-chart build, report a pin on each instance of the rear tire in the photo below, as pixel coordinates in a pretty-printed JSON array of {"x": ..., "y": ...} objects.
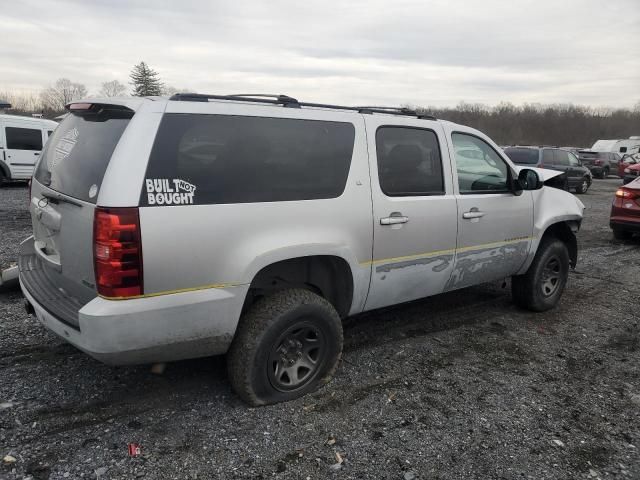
[
  {"x": 605, "y": 172},
  {"x": 583, "y": 186},
  {"x": 541, "y": 287},
  {"x": 2, "y": 179},
  {"x": 287, "y": 345},
  {"x": 620, "y": 234}
]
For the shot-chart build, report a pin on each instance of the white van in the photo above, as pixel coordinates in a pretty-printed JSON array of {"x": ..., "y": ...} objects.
[
  {"x": 623, "y": 146},
  {"x": 21, "y": 141}
]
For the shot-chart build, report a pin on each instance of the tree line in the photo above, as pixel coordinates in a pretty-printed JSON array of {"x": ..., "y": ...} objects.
[
  {"x": 506, "y": 124},
  {"x": 535, "y": 124}
]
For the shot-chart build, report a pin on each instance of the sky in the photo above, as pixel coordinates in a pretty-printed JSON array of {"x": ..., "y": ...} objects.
[{"x": 423, "y": 53}]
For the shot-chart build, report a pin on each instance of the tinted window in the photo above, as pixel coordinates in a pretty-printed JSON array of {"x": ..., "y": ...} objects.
[
  {"x": 205, "y": 159},
  {"x": 523, "y": 156},
  {"x": 573, "y": 161},
  {"x": 23, "y": 138},
  {"x": 49, "y": 132},
  {"x": 485, "y": 172},
  {"x": 548, "y": 157},
  {"x": 77, "y": 154},
  {"x": 561, "y": 157},
  {"x": 409, "y": 161},
  {"x": 588, "y": 155},
  {"x": 623, "y": 149}
]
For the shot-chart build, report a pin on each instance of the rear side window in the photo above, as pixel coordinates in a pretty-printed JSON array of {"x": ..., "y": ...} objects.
[
  {"x": 561, "y": 157},
  {"x": 409, "y": 162},
  {"x": 213, "y": 159},
  {"x": 522, "y": 156},
  {"x": 548, "y": 157},
  {"x": 77, "y": 153},
  {"x": 23, "y": 138}
]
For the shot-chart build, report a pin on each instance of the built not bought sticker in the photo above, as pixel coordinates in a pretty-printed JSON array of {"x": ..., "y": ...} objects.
[{"x": 164, "y": 191}]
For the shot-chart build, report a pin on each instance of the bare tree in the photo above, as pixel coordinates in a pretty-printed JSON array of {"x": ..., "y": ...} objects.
[
  {"x": 61, "y": 93},
  {"x": 112, "y": 89},
  {"x": 22, "y": 102}
]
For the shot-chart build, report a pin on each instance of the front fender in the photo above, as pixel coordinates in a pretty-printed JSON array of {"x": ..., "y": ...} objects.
[{"x": 552, "y": 206}]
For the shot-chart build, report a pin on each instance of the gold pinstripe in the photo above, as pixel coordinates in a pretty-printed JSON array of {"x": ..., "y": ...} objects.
[
  {"x": 180, "y": 290},
  {"x": 381, "y": 261},
  {"x": 445, "y": 252}
]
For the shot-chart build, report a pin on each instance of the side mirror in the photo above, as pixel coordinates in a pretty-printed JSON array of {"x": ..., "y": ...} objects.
[{"x": 527, "y": 180}]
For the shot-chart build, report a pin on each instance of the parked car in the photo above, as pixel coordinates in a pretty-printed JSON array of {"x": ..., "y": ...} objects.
[
  {"x": 625, "y": 211},
  {"x": 627, "y": 161},
  {"x": 202, "y": 224},
  {"x": 21, "y": 141},
  {"x": 631, "y": 173},
  {"x": 576, "y": 176},
  {"x": 601, "y": 164}
]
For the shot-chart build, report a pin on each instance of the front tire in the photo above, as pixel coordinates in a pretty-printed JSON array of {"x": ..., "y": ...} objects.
[
  {"x": 583, "y": 186},
  {"x": 620, "y": 234},
  {"x": 541, "y": 287},
  {"x": 3, "y": 180},
  {"x": 287, "y": 345}
]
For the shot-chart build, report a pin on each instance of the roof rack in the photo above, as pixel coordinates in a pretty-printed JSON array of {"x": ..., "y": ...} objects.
[{"x": 290, "y": 102}]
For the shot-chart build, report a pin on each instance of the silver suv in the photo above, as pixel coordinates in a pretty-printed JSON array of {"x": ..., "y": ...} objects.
[{"x": 196, "y": 225}]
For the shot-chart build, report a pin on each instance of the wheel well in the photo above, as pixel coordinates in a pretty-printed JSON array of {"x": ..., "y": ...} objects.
[
  {"x": 5, "y": 170},
  {"x": 326, "y": 275},
  {"x": 565, "y": 231}
]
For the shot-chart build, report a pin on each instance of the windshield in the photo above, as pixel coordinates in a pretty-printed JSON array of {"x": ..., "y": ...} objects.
[
  {"x": 522, "y": 156},
  {"x": 76, "y": 155}
]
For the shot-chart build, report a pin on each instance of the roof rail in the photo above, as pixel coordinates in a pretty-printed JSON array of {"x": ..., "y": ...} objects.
[{"x": 287, "y": 101}]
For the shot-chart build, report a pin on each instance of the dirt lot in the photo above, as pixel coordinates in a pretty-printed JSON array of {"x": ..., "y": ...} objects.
[{"x": 463, "y": 385}]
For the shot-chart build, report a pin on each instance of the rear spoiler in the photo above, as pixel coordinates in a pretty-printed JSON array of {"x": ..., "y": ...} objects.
[{"x": 99, "y": 111}]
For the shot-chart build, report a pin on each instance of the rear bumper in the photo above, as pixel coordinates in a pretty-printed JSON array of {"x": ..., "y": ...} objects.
[
  {"x": 144, "y": 330},
  {"x": 596, "y": 170},
  {"x": 625, "y": 224}
]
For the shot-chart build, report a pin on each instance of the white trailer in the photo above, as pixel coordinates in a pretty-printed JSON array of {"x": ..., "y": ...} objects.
[{"x": 621, "y": 146}]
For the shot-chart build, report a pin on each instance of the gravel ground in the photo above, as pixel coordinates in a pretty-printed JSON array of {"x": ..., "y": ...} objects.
[{"x": 463, "y": 385}]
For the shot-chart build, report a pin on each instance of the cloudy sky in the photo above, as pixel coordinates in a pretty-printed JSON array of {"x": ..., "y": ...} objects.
[{"x": 429, "y": 52}]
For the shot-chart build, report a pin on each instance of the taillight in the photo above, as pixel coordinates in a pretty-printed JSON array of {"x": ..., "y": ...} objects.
[
  {"x": 598, "y": 162},
  {"x": 117, "y": 252},
  {"x": 622, "y": 193}
]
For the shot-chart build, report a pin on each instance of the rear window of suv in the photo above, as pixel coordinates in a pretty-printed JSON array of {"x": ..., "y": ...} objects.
[
  {"x": 77, "y": 153},
  {"x": 214, "y": 159},
  {"x": 522, "y": 156}
]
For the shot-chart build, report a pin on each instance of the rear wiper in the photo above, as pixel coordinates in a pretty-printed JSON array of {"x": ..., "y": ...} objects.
[{"x": 57, "y": 198}]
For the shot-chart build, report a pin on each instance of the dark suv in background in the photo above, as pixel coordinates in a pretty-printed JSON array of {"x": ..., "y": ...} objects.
[
  {"x": 601, "y": 164},
  {"x": 576, "y": 175}
]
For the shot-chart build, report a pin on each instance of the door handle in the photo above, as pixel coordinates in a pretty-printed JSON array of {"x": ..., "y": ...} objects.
[
  {"x": 473, "y": 213},
  {"x": 394, "y": 220}
]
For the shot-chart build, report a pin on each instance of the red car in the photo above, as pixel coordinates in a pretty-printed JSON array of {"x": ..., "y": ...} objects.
[
  {"x": 626, "y": 162},
  {"x": 625, "y": 211},
  {"x": 631, "y": 169}
]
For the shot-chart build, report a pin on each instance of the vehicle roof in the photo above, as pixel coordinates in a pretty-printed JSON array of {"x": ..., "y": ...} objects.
[
  {"x": 4, "y": 116},
  {"x": 136, "y": 103}
]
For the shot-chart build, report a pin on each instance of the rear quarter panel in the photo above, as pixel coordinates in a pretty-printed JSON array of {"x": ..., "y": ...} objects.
[{"x": 223, "y": 245}]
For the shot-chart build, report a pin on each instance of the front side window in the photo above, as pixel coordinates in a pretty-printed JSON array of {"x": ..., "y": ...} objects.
[
  {"x": 219, "y": 159},
  {"x": 573, "y": 161},
  {"x": 480, "y": 168},
  {"x": 409, "y": 162},
  {"x": 23, "y": 138}
]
